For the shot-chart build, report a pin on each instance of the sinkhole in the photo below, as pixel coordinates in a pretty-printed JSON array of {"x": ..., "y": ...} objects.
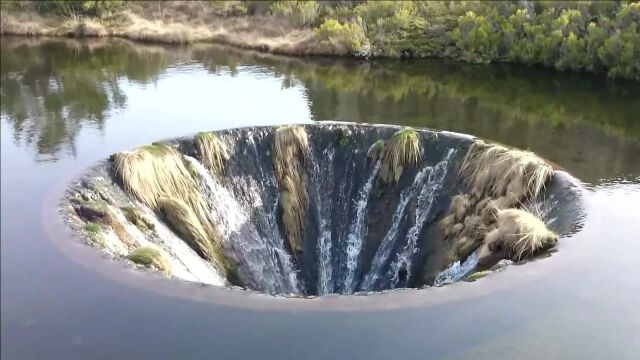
[{"x": 324, "y": 208}]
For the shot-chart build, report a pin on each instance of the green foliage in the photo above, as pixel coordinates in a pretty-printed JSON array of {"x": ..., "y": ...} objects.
[
  {"x": 476, "y": 38},
  {"x": 151, "y": 256},
  {"x": 300, "y": 13},
  {"x": 342, "y": 38},
  {"x": 229, "y": 8},
  {"x": 583, "y": 36},
  {"x": 86, "y": 7},
  {"x": 92, "y": 228}
]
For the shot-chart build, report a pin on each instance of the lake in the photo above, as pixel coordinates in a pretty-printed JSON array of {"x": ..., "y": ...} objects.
[{"x": 67, "y": 104}]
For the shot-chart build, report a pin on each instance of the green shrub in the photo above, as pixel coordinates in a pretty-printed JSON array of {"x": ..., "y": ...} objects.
[
  {"x": 342, "y": 38},
  {"x": 300, "y": 13},
  {"x": 229, "y": 8},
  {"x": 86, "y": 7},
  {"x": 476, "y": 38}
]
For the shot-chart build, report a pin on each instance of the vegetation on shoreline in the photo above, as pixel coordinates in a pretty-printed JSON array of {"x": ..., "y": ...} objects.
[{"x": 593, "y": 36}]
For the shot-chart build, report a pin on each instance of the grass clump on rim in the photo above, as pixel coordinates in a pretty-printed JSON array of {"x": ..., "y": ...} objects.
[
  {"x": 150, "y": 256},
  {"x": 375, "y": 151},
  {"x": 158, "y": 172},
  {"x": 212, "y": 152},
  {"x": 401, "y": 151},
  {"x": 496, "y": 171},
  {"x": 519, "y": 234},
  {"x": 290, "y": 149}
]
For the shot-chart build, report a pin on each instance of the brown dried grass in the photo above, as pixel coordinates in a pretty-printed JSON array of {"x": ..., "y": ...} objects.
[
  {"x": 290, "y": 149},
  {"x": 212, "y": 151},
  {"x": 401, "y": 151}
]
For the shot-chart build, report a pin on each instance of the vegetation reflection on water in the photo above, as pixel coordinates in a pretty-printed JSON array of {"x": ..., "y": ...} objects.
[{"x": 51, "y": 89}]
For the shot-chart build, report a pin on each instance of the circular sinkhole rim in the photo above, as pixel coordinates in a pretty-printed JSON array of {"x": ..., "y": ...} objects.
[{"x": 111, "y": 267}]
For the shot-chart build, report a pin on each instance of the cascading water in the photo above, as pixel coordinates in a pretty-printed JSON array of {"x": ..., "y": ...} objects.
[
  {"x": 260, "y": 261},
  {"x": 356, "y": 236},
  {"x": 426, "y": 185},
  {"x": 323, "y": 191},
  {"x": 358, "y": 231}
]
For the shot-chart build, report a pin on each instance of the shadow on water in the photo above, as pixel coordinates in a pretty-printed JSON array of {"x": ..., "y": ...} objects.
[{"x": 51, "y": 89}]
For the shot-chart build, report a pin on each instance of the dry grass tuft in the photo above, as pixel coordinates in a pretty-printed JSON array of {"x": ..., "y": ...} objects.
[
  {"x": 460, "y": 204},
  {"x": 290, "y": 148},
  {"x": 519, "y": 234},
  {"x": 77, "y": 26},
  {"x": 497, "y": 179},
  {"x": 212, "y": 152},
  {"x": 158, "y": 171},
  {"x": 141, "y": 29},
  {"x": 202, "y": 238},
  {"x": 150, "y": 256},
  {"x": 401, "y": 151},
  {"x": 497, "y": 171},
  {"x": 158, "y": 177},
  {"x": 375, "y": 151}
]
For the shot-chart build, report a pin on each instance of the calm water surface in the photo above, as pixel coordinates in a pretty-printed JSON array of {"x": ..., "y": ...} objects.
[{"x": 68, "y": 104}]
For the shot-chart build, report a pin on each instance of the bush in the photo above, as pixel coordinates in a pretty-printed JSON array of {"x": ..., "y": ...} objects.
[
  {"x": 476, "y": 38},
  {"x": 70, "y": 7},
  {"x": 229, "y": 8},
  {"x": 300, "y": 13},
  {"x": 343, "y": 38}
]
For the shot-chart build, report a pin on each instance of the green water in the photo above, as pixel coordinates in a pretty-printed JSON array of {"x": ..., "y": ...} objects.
[{"x": 67, "y": 104}]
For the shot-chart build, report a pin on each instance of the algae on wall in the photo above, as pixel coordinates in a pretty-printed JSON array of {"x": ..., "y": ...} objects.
[{"x": 290, "y": 149}]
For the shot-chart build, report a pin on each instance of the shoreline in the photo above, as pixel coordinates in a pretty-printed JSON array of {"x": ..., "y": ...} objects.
[
  {"x": 477, "y": 33},
  {"x": 272, "y": 35}
]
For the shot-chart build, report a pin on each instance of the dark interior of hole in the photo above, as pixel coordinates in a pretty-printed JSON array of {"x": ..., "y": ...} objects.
[{"x": 355, "y": 237}]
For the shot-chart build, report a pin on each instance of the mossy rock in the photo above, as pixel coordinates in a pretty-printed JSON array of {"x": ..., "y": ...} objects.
[
  {"x": 152, "y": 257},
  {"x": 95, "y": 233}
]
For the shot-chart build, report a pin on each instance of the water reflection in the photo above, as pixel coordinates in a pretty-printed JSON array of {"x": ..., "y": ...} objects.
[{"x": 52, "y": 89}]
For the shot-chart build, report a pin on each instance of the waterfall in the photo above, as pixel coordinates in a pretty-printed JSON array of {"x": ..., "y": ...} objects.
[
  {"x": 358, "y": 232},
  {"x": 355, "y": 236},
  {"x": 260, "y": 261},
  {"x": 426, "y": 185},
  {"x": 323, "y": 193},
  {"x": 200, "y": 270},
  {"x": 423, "y": 209},
  {"x": 457, "y": 271}
]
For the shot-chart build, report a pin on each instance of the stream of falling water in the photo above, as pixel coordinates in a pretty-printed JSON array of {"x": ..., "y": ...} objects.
[
  {"x": 260, "y": 261},
  {"x": 358, "y": 232},
  {"x": 426, "y": 184},
  {"x": 457, "y": 270},
  {"x": 322, "y": 176},
  {"x": 424, "y": 203}
]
